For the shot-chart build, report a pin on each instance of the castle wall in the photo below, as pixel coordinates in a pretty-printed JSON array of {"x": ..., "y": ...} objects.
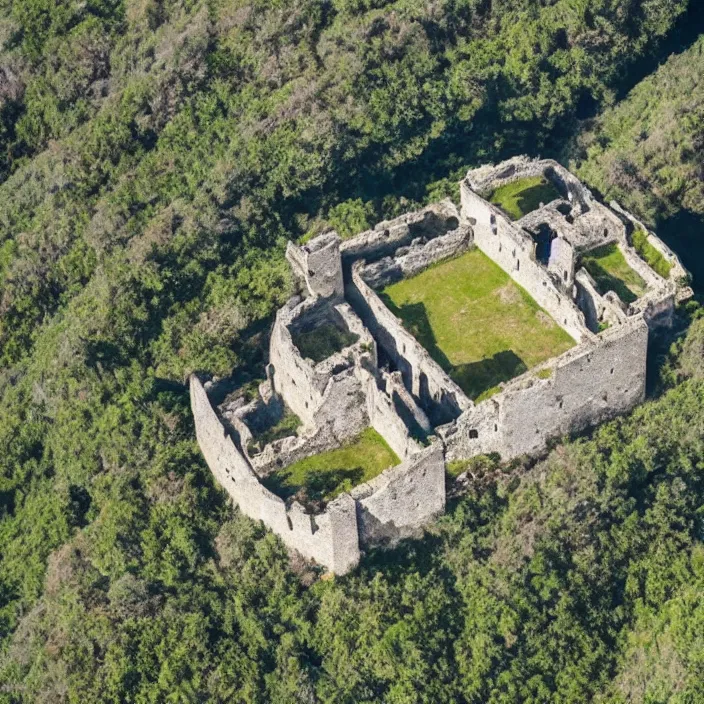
[
  {"x": 328, "y": 394},
  {"x": 439, "y": 396},
  {"x": 410, "y": 261},
  {"x": 433, "y": 221},
  {"x": 319, "y": 265},
  {"x": 513, "y": 251},
  {"x": 329, "y": 538},
  {"x": 585, "y": 386},
  {"x": 588, "y": 385},
  {"x": 384, "y": 418},
  {"x": 398, "y": 502}
]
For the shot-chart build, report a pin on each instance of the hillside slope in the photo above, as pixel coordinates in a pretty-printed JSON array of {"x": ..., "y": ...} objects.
[{"x": 648, "y": 153}]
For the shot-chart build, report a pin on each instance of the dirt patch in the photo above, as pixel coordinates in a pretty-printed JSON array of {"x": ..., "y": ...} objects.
[
  {"x": 508, "y": 294},
  {"x": 544, "y": 319}
]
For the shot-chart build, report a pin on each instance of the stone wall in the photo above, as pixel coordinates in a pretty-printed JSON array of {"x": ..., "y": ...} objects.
[
  {"x": 399, "y": 501},
  {"x": 597, "y": 309},
  {"x": 329, "y": 538},
  {"x": 589, "y": 384},
  {"x": 387, "y": 236},
  {"x": 327, "y": 394},
  {"x": 513, "y": 251},
  {"x": 384, "y": 418},
  {"x": 438, "y": 395},
  {"x": 318, "y": 265},
  {"x": 584, "y": 386},
  {"x": 412, "y": 260}
]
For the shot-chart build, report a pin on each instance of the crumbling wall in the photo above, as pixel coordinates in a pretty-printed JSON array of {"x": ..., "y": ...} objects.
[
  {"x": 584, "y": 386},
  {"x": 384, "y": 418},
  {"x": 401, "y": 500},
  {"x": 597, "y": 309},
  {"x": 475, "y": 432},
  {"x": 438, "y": 395},
  {"x": 513, "y": 251},
  {"x": 410, "y": 261},
  {"x": 588, "y": 384},
  {"x": 329, "y": 538},
  {"x": 327, "y": 394},
  {"x": 318, "y": 265},
  {"x": 387, "y": 236}
]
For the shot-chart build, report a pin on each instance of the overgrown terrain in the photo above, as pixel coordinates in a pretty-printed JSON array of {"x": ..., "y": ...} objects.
[{"x": 155, "y": 158}]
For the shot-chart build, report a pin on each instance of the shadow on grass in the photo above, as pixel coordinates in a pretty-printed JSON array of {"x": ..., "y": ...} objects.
[
  {"x": 608, "y": 282},
  {"x": 474, "y": 378},
  {"x": 530, "y": 199},
  {"x": 315, "y": 486}
]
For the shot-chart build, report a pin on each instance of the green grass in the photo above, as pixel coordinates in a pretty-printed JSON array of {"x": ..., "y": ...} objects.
[
  {"x": 286, "y": 427},
  {"x": 323, "y": 342},
  {"x": 611, "y": 272},
  {"x": 648, "y": 253},
  {"x": 523, "y": 196},
  {"x": 480, "y": 326},
  {"x": 323, "y": 477}
]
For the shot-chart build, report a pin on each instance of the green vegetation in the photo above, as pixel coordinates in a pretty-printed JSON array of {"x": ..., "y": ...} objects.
[
  {"x": 286, "y": 427},
  {"x": 657, "y": 262},
  {"x": 323, "y": 342},
  {"x": 477, "y": 324},
  {"x": 523, "y": 196},
  {"x": 155, "y": 158},
  {"x": 611, "y": 272},
  {"x": 646, "y": 152},
  {"x": 322, "y": 477}
]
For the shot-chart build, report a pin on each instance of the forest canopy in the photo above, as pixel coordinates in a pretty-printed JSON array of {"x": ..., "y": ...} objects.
[{"x": 156, "y": 156}]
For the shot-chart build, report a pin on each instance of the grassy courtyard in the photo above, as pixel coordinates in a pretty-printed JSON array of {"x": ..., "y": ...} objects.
[
  {"x": 480, "y": 326},
  {"x": 611, "y": 271},
  {"x": 322, "y": 477},
  {"x": 523, "y": 196},
  {"x": 323, "y": 342}
]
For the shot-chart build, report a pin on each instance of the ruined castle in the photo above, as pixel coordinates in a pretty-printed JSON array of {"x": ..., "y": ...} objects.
[{"x": 383, "y": 378}]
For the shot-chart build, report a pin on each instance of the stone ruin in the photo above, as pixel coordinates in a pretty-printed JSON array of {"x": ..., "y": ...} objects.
[{"x": 381, "y": 377}]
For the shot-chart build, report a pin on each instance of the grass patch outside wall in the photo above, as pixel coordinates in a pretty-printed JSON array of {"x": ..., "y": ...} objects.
[{"x": 476, "y": 322}]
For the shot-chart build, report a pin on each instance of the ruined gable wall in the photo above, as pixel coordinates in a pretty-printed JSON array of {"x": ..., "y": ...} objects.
[
  {"x": 513, "y": 251},
  {"x": 439, "y": 396},
  {"x": 386, "y": 421},
  {"x": 401, "y": 500},
  {"x": 588, "y": 385},
  {"x": 329, "y": 538},
  {"x": 319, "y": 265},
  {"x": 410, "y": 261},
  {"x": 389, "y": 235}
]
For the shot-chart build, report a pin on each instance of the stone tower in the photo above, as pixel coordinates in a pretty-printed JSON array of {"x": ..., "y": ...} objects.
[{"x": 319, "y": 265}]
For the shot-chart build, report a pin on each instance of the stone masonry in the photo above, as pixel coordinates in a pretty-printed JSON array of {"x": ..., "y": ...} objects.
[{"x": 408, "y": 398}]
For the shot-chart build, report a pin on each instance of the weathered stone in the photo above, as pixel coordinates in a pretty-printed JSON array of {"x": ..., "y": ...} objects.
[{"x": 415, "y": 406}]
